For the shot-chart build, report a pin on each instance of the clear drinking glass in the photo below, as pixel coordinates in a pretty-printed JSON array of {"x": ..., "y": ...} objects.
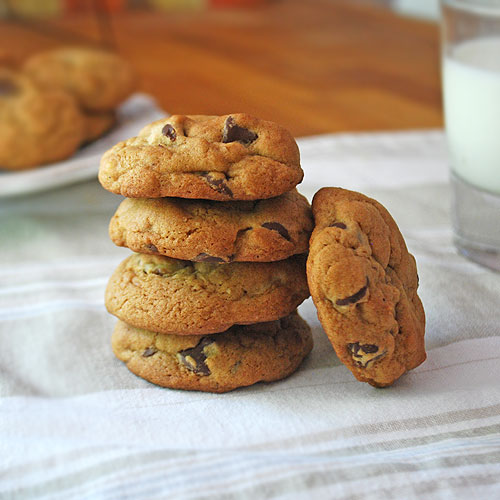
[{"x": 471, "y": 92}]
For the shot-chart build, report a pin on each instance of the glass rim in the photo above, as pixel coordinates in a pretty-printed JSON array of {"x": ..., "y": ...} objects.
[{"x": 482, "y": 7}]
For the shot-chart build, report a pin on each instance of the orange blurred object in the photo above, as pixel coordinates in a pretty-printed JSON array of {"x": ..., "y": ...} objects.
[
  {"x": 34, "y": 8},
  {"x": 102, "y": 5},
  {"x": 236, "y": 3},
  {"x": 176, "y": 5}
]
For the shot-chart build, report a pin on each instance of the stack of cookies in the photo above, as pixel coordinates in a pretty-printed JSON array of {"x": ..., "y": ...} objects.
[
  {"x": 208, "y": 301},
  {"x": 61, "y": 100}
]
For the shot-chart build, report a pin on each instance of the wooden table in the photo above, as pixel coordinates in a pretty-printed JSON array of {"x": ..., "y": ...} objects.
[{"x": 314, "y": 66}]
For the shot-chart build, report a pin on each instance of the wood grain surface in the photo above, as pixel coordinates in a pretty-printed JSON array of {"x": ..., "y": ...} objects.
[{"x": 315, "y": 66}]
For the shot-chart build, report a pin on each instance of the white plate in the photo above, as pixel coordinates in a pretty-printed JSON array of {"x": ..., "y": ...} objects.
[{"x": 132, "y": 115}]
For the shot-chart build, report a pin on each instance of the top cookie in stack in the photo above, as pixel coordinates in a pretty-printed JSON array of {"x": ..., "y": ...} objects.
[
  {"x": 223, "y": 158},
  {"x": 238, "y": 259}
]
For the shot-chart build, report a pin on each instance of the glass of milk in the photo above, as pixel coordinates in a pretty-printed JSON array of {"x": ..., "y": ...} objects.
[{"x": 471, "y": 92}]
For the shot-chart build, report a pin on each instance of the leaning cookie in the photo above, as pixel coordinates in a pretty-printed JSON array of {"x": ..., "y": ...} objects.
[
  {"x": 100, "y": 80},
  {"x": 364, "y": 284},
  {"x": 36, "y": 126},
  {"x": 232, "y": 157},
  {"x": 175, "y": 296},
  {"x": 212, "y": 231},
  {"x": 241, "y": 356}
]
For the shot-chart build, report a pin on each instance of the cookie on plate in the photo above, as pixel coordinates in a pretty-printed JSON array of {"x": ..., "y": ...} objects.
[
  {"x": 97, "y": 124},
  {"x": 100, "y": 80},
  {"x": 364, "y": 284},
  {"x": 241, "y": 356},
  {"x": 224, "y": 158},
  {"x": 213, "y": 231},
  {"x": 36, "y": 126},
  {"x": 175, "y": 296}
]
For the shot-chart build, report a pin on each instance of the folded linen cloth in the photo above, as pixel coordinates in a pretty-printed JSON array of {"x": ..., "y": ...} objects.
[{"x": 74, "y": 423}]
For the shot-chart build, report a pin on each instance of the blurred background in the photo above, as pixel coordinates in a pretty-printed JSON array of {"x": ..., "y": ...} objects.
[{"x": 314, "y": 66}]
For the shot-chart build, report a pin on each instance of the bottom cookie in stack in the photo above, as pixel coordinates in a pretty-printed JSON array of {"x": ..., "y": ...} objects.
[{"x": 220, "y": 362}]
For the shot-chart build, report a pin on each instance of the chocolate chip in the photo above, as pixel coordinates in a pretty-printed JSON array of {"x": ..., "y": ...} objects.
[
  {"x": 151, "y": 247},
  {"x": 338, "y": 224},
  {"x": 234, "y": 133},
  {"x": 354, "y": 348},
  {"x": 241, "y": 232},
  {"x": 149, "y": 352},
  {"x": 276, "y": 226},
  {"x": 354, "y": 298},
  {"x": 359, "y": 352},
  {"x": 218, "y": 185},
  {"x": 369, "y": 348},
  {"x": 169, "y": 132},
  {"x": 366, "y": 348},
  {"x": 197, "y": 355},
  {"x": 205, "y": 257},
  {"x": 7, "y": 87}
]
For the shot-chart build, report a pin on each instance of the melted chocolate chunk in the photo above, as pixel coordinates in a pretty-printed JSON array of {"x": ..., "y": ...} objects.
[
  {"x": 366, "y": 348},
  {"x": 369, "y": 348},
  {"x": 276, "y": 226},
  {"x": 198, "y": 356},
  {"x": 149, "y": 352},
  {"x": 241, "y": 232},
  {"x": 169, "y": 132},
  {"x": 205, "y": 257},
  {"x": 338, "y": 224},
  {"x": 354, "y": 298},
  {"x": 361, "y": 353},
  {"x": 218, "y": 185},
  {"x": 234, "y": 133}
]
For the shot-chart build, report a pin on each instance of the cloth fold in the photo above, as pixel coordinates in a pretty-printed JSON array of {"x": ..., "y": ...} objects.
[{"x": 75, "y": 423}]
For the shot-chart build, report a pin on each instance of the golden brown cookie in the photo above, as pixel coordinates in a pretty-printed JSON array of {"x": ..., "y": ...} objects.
[
  {"x": 36, "y": 126},
  {"x": 100, "y": 80},
  {"x": 177, "y": 296},
  {"x": 364, "y": 284},
  {"x": 241, "y": 356},
  {"x": 224, "y": 158},
  {"x": 214, "y": 231},
  {"x": 97, "y": 124}
]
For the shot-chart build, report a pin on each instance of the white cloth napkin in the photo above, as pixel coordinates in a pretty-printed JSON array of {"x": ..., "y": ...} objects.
[{"x": 75, "y": 423}]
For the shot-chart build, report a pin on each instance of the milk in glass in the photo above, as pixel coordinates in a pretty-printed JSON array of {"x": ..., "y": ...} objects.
[{"x": 471, "y": 80}]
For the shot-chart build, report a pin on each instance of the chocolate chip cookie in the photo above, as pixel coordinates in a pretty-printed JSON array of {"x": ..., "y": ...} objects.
[
  {"x": 241, "y": 356},
  {"x": 99, "y": 80},
  {"x": 176, "y": 296},
  {"x": 214, "y": 231},
  {"x": 36, "y": 126},
  {"x": 224, "y": 158},
  {"x": 97, "y": 124},
  {"x": 364, "y": 284}
]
